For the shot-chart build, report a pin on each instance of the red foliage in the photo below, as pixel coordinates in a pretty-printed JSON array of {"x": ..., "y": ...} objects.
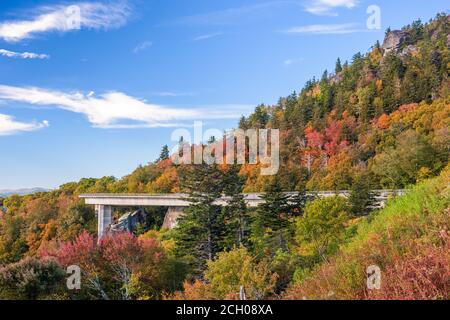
[
  {"x": 83, "y": 252},
  {"x": 118, "y": 250},
  {"x": 407, "y": 107},
  {"x": 330, "y": 143},
  {"x": 421, "y": 276},
  {"x": 334, "y": 140},
  {"x": 314, "y": 138}
]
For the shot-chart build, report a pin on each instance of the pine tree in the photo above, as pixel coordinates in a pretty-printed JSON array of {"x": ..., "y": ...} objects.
[
  {"x": 338, "y": 68},
  {"x": 164, "y": 153},
  {"x": 236, "y": 213},
  {"x": 270, "y": 226},
  {"x": 297, "y": 203},
  {"x": 361, "y": 197},
  {"x": 200, "y": 229}
]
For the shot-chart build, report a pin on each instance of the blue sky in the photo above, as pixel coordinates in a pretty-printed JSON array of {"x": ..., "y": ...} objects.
[{"x": 101, "y": 94}]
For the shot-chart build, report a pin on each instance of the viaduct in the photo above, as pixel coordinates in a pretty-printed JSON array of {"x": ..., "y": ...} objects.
[{"x": 104, "y": 203}]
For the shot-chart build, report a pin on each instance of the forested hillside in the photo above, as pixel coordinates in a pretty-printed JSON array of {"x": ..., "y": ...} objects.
[{"x": 380, "y": 120}]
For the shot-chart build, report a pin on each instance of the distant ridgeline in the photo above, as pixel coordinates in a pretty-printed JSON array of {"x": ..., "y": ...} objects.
[{"x": 21, "y": 192}]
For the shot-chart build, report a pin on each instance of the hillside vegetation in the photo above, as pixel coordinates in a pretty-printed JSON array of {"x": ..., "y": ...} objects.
[
  {"x": 379, "y": 121},
  {"x": 409, "y": 240}
]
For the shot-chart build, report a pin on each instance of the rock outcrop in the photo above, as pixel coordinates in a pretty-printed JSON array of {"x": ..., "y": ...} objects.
[
  {"x": 128, "y": 222},
  {"x": 395, "y": 40}
]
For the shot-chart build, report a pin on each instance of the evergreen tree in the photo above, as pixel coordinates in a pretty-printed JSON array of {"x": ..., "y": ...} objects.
[
  {"x": 271, "y": 221},
  {"x": 164, "y": 153},
  {"x": 243, "y": 123},
  {"x": 361, "y": 196},
  {"x": 338, "y": 68},
  {"x": 236, "y": 214},
  {"x": 297, "y": 203},
  {"x": 200, "y": 229}
]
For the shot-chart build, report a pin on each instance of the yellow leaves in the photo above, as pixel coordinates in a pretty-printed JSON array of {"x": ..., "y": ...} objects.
[
  {"x": 379, "y": 85},
  {"x": 376, "y": 56},
  {"x": 165, "y": 183},
  {"x": 315, "y": 92},
  {"x": 238, "y": 268}
]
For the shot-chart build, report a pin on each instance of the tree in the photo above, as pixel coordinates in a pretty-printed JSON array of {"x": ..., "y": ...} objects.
[
  {"x": 399, "y": 165},
  {"x": 260, "y": 117},
  {"x": 321, "y": 229},
  {"x": 237, "y": 268},
  {"x": 199, "y": 232},
  {"x": 297, "y": 203},
  {"x": 80, "y": 217},
  {"x": 119, "y": 267},
  {"x": 270, "y": 227},
  {"x": 13, "y": 244},
  {"x": 165, "y": 154},
  {"x": 236, "y": 213},
  {"x": 338, "y": 68},
  {"x": 361, "y": 196},
  {"x": 32, "y": 279}
]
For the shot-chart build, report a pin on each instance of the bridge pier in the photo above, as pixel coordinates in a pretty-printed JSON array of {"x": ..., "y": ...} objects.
[{"x": 104, "y": 216}]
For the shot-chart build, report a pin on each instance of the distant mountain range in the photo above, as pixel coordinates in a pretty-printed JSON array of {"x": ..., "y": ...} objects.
[{"x": 6, "y": 192}]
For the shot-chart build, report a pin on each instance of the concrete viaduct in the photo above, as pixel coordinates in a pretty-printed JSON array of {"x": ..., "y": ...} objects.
[{"x": 176, "y": 202}]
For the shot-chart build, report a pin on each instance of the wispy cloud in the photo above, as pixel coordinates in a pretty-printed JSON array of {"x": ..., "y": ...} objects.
[
  {"x": 237, "y": 15},
  {"x": 23, "y": 55},
  {"x": 173, "y": 94},
  {"x": 64, "y": 18},
  {"x": 142, "y": 46},
  {"x": 327, "y": 29},
  {"x": 289, "y": 62},
  {"x": 207, "y": 36},
  {"x": 325, "y": 7},
  {"x": 115, "y": 109},
  {"x": 9, "y": 126}
]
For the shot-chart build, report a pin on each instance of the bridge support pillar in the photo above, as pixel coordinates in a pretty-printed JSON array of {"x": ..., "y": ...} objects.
[
  {"x": 172, "y": 215},
  {"x": 104, "y": 216}
]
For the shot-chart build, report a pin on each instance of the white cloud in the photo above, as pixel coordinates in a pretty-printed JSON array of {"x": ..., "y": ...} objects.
[
  {"x": 173, "y": 94},
  {"x": 9, "y": 126},
  {"x": 325, "y": 7},
  {"x": 23, "y": 55},
  {"x": 289, "y": 62},
  {"x": 142, "y": 46},
  {"x": 327, "y": 29},
  {"x": 207, "y": 36},
  {"x": 237, "y": 15},
  {"x": 116, "y": 109},
  {"x": 64, "y": 18}
]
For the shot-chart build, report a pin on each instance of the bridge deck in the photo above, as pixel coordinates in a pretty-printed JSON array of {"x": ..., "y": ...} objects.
[{"x": 181, "y": 200}]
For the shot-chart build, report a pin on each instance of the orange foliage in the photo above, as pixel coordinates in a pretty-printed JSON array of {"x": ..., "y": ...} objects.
[
  {"x": 198, "y": 290},
  {"x": 383, "y": 122}
]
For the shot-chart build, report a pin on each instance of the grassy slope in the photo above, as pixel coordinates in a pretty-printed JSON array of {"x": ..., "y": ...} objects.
[{"x": 409, "y": 240}]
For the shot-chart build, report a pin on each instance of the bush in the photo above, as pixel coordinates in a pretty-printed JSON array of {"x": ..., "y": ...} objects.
[
  {"x": 322, "y": 228},
  {"x": 420, "y": 275},
  {"x": 237, "y": 268},
  {"x": 31, "y": 279}
]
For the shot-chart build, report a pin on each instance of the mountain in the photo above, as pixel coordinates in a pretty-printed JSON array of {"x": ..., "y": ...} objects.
[{"x": 22, "y": 192}]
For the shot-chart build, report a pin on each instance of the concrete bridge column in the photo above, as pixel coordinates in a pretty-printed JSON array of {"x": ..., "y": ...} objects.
[{"x": 104, "y": 215}]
